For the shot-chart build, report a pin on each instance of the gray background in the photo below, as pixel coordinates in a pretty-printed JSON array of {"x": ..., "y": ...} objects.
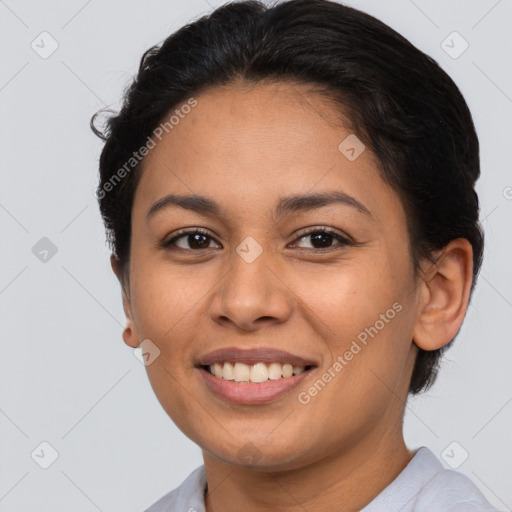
[{"x": 67, "y": 378}]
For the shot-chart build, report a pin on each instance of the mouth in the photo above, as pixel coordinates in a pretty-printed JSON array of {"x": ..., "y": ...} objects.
[{"x": 253, "y": 376}]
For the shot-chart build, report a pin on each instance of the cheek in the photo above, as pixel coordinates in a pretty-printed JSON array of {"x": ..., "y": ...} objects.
[
  {"x": 364, "y": 314},
  {"x": 348, "y": 298},
  {"x": 165, "y": 297}
]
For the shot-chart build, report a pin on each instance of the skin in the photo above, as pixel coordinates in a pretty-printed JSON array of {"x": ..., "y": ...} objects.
[{"x": 244, "y": 146}]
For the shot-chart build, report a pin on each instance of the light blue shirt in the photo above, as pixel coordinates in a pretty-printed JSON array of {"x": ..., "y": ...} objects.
[{"x": 423, "y": 486}]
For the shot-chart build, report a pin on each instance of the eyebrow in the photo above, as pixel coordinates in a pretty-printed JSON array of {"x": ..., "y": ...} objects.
[{"x": 286, "y": 205}]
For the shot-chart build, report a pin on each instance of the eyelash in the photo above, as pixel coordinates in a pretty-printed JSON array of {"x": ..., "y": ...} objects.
[{"x": 183, "y": 233}]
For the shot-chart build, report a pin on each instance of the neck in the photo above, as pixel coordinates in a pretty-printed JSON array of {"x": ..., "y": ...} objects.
[{"x": 346, "y": 480}]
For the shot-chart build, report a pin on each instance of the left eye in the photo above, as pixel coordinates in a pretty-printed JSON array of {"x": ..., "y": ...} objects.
[
  {"x": 198, "y": 239},
  {"x": 322, "y": 238}
]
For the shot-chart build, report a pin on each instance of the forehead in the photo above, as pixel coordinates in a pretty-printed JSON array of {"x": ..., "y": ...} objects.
[{"x": 253, "y": 143}]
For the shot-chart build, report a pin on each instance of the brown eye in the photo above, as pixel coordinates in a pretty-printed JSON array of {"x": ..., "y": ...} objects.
[
  {"x": 190, "y": 240},
  {"x": 323, "y": 239}
]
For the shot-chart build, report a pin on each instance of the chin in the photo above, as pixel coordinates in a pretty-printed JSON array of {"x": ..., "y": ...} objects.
[{"x": 258, "y": 455}]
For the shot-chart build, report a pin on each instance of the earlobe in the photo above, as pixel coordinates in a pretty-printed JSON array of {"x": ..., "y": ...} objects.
[
  {"x": 130, "y": 335},
  {"x": 444, "y": 295}
]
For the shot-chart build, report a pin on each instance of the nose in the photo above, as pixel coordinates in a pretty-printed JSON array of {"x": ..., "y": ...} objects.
[{"x": 252, "y": 295}]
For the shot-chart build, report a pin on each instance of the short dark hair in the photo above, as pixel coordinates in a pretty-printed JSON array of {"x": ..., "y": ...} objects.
[{"x": 399, "y": 102}]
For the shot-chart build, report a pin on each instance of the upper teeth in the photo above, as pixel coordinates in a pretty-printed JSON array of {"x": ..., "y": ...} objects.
[{"x": 259, "y": 372}]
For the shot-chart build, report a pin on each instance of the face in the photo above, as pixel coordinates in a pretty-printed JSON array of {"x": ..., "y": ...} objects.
[{"x": 325, "y": 284}]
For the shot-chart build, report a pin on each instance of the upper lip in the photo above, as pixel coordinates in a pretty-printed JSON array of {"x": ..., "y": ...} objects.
[{"x": 252, "y": 356}]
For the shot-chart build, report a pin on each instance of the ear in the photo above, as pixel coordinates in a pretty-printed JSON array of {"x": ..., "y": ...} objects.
[
  {"x": 130, "y": 335},
  {"x": 444, "y": 295}
]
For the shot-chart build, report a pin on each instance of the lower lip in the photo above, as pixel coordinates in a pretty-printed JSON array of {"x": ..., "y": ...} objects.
[{"x": 248, "y": 393}]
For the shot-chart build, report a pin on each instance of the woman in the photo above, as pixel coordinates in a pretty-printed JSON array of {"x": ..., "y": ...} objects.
[{"x": 288, "y": 193}]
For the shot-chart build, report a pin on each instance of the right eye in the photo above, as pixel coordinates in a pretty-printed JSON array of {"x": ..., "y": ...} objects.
[{"x": 196, "y": 239}]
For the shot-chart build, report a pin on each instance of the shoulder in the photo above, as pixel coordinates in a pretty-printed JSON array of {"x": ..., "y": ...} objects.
[
  {"x": 188, "y": 497},
  {"x": 426, "y": 486},
  {"x": 454, "y": 492}
]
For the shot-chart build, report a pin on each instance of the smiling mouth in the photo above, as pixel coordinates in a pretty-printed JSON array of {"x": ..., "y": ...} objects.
[{"x": 255, "y": 373}]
